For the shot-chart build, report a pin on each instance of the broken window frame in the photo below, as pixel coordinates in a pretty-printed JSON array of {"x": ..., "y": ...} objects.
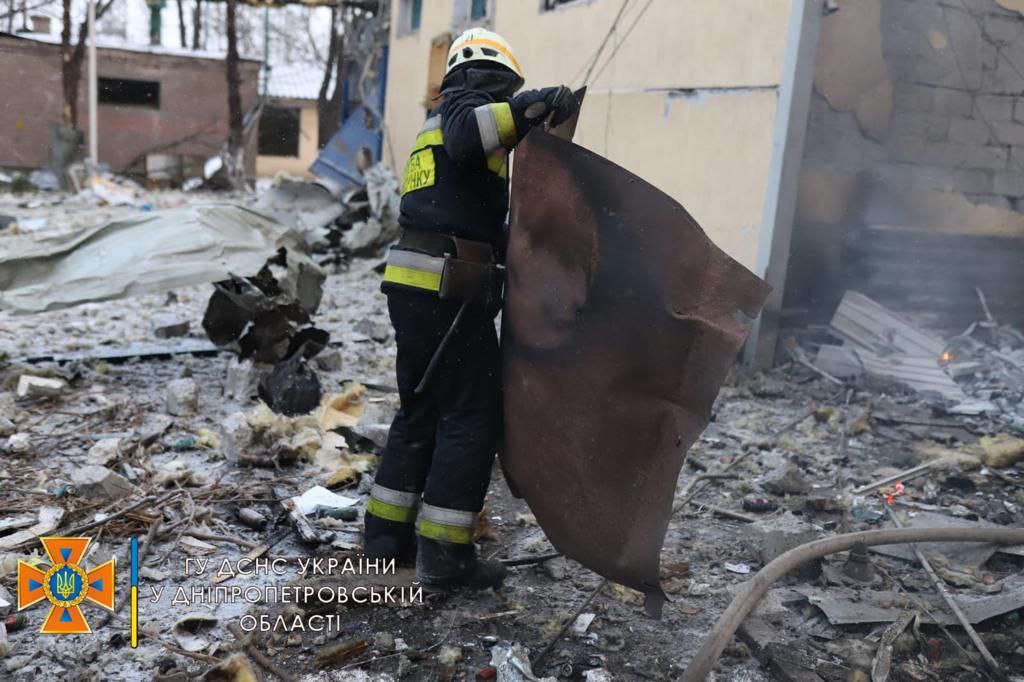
[
  {"x": 410, "y": 16},
  {"x": 467, "y": 14}
]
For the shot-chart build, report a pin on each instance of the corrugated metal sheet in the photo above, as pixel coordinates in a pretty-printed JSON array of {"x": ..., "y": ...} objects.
[
  {"x": 869, "y": 325},
  {"x": 920, "y": 373}
]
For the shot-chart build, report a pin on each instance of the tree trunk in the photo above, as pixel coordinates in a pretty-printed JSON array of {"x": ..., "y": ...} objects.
[
  {"x": 181, "y": 23},
  {"x": 197, "y": 24},
  {"x": 329, "y": 110},
  {"x": 70, "y": 70},
  {"x": 235, "y": 160},
  {"x": 72, "y": 58}
]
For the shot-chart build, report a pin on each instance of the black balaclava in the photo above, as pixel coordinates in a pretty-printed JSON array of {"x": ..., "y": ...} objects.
[{"x": 496, "y": 80}]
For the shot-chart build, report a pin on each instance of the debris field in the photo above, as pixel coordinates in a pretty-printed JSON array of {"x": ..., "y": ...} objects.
[{"x": 120, "y": 419}]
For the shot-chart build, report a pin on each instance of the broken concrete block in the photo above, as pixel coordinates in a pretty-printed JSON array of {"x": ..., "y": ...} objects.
[
  {"x": 166, "y": 326},
  {"x": 104, "y": 451},
  {"x": 7, "y": 427},
  {"x": 240, "y": 382},
  {"x": 97, "y": 481},
  {"x": 182, "y": 397},
  {"x": 329, "y": 361},
  {"x": 777, "y": 535},
  {"x": 787, "y": 480},
  {"x": 378, "y": 331},
  {"x": 236, "y": 436},
  {"x": 19, "y": 444},
  {"x": 30, "y": 386}
]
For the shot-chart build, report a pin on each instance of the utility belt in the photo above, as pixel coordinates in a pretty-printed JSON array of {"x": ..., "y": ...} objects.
[{"x": 455, "y": 269}]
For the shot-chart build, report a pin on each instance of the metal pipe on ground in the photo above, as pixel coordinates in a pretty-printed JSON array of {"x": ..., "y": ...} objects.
[{"x": 746, "y": 600}]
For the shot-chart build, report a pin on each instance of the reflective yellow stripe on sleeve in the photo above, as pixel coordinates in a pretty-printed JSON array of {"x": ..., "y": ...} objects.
[
  {"x": 498, "y": 163},
  {"x": 506, "y": 125},
  {"x": 496, "y": 126}
]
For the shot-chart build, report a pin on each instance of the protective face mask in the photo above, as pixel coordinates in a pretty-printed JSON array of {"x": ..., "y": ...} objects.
[{"x": 496, "y": 83}]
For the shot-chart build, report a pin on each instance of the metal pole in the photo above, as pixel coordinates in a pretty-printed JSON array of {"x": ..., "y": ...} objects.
[
  {"x": 93, "y": 89},
  {"x": 266, "y": 50}
]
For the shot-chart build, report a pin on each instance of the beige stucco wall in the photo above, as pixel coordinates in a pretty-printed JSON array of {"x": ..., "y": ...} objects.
[
  {"x": 297, "y": 166},
  {"x": 709, "y": 149}
]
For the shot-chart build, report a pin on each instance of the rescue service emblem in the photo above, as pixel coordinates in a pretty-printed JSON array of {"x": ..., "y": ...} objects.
[{"x": 65, "y": 585}]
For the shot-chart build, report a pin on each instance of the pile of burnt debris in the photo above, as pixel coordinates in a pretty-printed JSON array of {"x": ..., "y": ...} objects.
[
  {"x": 268, "y": 451},
  {"x": 337, "y": 225},
  {"x": 977, "y": 373}
]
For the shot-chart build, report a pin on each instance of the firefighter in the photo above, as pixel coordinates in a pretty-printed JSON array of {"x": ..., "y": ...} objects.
[{"x": 443, "y": 284}]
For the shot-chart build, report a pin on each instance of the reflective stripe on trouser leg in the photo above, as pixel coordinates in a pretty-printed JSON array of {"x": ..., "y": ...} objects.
[
  {"x": 448, "y": 525},
  {"x": 393, "y": 505}
]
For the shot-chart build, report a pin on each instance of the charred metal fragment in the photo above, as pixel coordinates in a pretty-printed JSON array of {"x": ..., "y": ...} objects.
[
  {"x": 267, "y": 316},
  {"x": 292, "y": 388},
  {"x": 621, "y": 320}
]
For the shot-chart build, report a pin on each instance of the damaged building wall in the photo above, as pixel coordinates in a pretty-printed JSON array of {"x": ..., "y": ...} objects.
[
  {"x": 912, "y": 186},
  {"x": 192, "y": 108},
  {"x": 671, "y": 106}
]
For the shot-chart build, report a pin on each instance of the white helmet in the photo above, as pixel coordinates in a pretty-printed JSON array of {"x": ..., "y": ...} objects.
[{"x": 479, "y": 44}]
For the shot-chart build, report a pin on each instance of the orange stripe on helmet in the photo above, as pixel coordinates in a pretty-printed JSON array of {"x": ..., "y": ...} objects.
[{"x": 493, "y": 45}]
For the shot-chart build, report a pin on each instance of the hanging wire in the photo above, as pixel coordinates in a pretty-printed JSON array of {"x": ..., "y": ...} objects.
[
  {"x": 607, "y": 37},
  {"x": 625, "y": 37}
]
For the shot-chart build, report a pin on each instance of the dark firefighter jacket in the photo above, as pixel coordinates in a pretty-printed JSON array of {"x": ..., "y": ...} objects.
[{"x": 456, "y": 179}]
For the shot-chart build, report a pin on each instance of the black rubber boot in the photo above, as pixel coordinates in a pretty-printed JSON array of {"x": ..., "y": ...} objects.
[
  {"x": 449, "y": 566},
  {"x": 383, "y": 539}
]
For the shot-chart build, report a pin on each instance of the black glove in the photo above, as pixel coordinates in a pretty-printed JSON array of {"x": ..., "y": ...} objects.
[
  {"x": 563, "y": 103},
  {"x": 534, "y": 106}
]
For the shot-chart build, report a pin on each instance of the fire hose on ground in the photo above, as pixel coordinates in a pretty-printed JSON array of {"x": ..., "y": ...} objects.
[{"x": 746, "y": 600}]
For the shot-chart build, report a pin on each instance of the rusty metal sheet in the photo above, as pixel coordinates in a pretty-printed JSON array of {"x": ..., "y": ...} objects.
[{"x": 621, "y": 321}]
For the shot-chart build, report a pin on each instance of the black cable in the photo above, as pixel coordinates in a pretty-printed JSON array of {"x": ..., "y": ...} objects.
[
  {"x": 624, "y": 38},
  {"x": 607, "y": 37}
]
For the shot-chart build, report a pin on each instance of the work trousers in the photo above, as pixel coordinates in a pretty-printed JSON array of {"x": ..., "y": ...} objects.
[{"x": 443, "y": 441}]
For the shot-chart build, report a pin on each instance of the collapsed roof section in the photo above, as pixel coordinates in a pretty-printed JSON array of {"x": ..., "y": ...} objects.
[{"x": 156, "y": 252}]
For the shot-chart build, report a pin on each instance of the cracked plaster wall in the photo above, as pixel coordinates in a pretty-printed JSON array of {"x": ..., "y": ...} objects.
[{"x": 917, "y": 123}]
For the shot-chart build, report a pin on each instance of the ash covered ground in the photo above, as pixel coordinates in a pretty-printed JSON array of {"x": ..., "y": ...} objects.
[{"x": 778, "y": 465}]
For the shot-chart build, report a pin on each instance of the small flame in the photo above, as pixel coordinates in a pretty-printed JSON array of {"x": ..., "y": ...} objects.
[
  {"x": 946, "y": 357},
  {"x": 898, "y": 490}
]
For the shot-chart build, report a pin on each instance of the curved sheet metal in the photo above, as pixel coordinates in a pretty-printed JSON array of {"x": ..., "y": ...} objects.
[{"x": 621, "y": 320}]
